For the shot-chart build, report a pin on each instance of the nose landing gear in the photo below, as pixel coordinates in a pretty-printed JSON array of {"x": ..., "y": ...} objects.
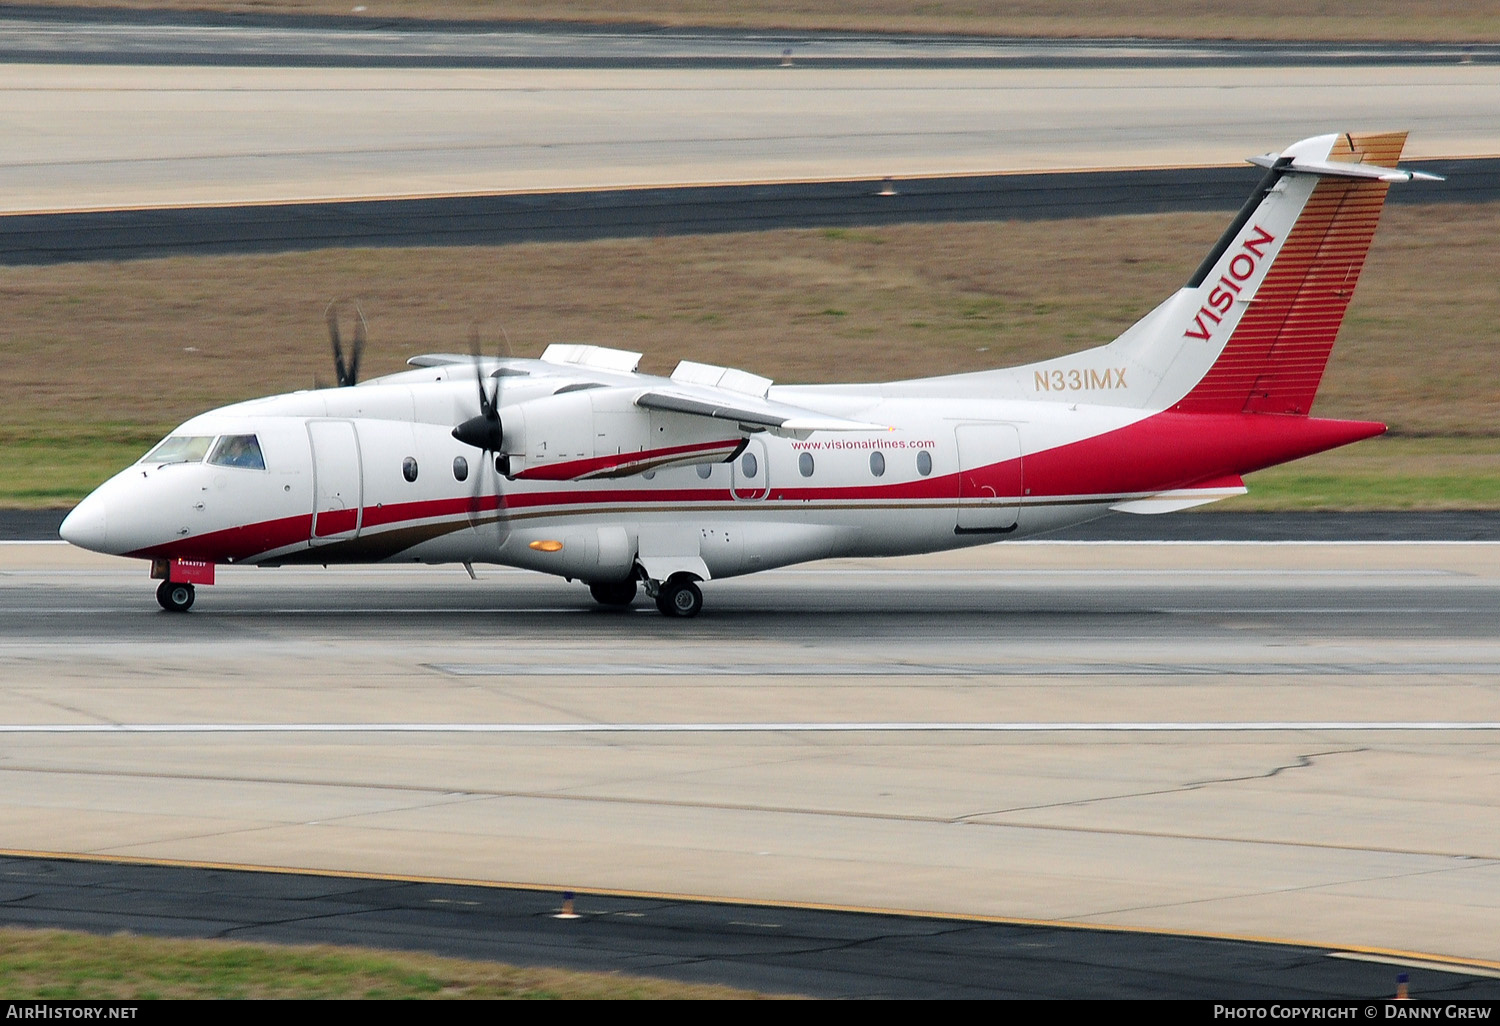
[{"x": 175, "y": 597}]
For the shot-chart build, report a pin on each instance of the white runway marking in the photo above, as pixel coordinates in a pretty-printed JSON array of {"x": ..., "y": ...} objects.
[
  {"x": 819, "y": 669},
  {"x": 1417, "y": 963},
  {"x": 736, "y": 728}
]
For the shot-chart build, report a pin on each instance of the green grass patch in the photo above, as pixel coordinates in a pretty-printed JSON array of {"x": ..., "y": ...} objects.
[
  {"x": 44, "y": 469},
  {"x": 802, "y": 305},
  {"x": 1383, "y": 473},
  {"x": 64, "y": 966},
  {"x": 1287, "y": 489}
]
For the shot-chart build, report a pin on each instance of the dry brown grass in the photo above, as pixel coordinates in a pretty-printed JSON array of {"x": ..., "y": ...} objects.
[
  {"x": 1247, "y": 19},
  {"x": 151, "y": 342},
  {"x": 98, "y": 359}
]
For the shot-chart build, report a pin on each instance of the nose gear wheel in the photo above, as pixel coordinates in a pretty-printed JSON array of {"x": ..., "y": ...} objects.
[{"x": 175, "y": 597}]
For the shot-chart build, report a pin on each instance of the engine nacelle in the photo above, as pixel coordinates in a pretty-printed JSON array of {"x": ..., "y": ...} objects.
[{"x": 588, "y": 433}]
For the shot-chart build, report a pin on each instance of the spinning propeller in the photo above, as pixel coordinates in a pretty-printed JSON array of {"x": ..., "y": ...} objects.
[
  {"x": 484, "y": 432},
  {"x": 348, "y": 373}
]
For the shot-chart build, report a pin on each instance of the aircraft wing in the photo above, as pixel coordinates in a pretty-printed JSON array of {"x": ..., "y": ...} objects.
[{"x": 749, "y": 411}]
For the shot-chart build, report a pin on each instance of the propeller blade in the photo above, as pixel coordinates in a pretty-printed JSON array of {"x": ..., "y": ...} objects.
[
  {"x": 486, "y": 407},
  {"x": 331, "y": 315},
  {"x": 482, "y": 432},
  {"x": 360, "y": 330},
  {"x": 347, "y": 372}
]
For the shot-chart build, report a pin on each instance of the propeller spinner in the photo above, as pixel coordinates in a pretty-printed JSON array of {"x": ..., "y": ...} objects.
[{"x": 484, "y": 431}]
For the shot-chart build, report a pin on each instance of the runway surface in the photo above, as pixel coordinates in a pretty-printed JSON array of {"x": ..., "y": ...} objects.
[
  {"x": 92, "y": 137},
  {"x": 177, "y": 37},
  {"x": 1359, "y": 811},
  {"x": 491, "y": 220}
]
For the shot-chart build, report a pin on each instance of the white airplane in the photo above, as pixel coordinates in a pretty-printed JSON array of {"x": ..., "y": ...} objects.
[{"x": 577, "y": 465}]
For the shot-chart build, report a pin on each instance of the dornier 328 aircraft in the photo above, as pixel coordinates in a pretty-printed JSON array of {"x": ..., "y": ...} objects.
[{"x": 577, "y": 465}]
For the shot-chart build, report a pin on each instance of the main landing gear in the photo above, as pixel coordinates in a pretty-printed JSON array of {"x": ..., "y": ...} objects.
[
  {"x": 678, "y": 597},
  {"x": 175, "y": 597},
  {"x": 613, "y": 593}
]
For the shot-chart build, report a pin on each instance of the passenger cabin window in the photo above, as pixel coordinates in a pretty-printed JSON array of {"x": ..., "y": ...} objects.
[
  {"x": 877, "y": 463},
  {"x": 180, "y": 449},
  {"x": 241, "y": 451},
  {"x": 924, "y": 463},
  {"x": 460, "y": 468},
  {"x": 409, "y": 468},
  {"x": 705, "y": 471},
  {"x": 805, "y": 464}
]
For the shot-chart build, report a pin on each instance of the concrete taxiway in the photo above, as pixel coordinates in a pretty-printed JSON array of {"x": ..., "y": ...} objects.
[
  {"x": 102, "y": 137},
  {"x": 1266, "y": 740}
]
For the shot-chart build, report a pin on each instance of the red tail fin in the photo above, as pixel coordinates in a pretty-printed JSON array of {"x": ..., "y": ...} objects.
[{"x": 1274, "y": 361}]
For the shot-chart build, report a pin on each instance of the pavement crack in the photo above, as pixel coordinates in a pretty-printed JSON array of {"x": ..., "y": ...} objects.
[
  {"x": 231, "y": 931},
  {"x": 1301, "y": 762},
  {"x": 1093, "y": 917}
]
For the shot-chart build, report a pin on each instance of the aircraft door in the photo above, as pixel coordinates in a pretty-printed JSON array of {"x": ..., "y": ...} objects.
[
  {"x": 337, "y": 480},
  {"x": 989, "y": 478},
  {"x": 751, "y": 473}
]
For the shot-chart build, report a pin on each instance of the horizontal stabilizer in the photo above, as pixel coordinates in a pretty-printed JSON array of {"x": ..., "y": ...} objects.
[{"x": 1338, "y": 169}]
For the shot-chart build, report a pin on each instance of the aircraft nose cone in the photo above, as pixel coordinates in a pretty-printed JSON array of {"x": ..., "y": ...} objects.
[{"x": 86, "y": 526}]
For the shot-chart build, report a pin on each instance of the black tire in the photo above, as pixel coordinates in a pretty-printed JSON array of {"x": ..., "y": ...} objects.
[
  {"x": 679, "y": 597},
  {"x": 175, "y": 597},
  {"x": 613, "y": 593}
]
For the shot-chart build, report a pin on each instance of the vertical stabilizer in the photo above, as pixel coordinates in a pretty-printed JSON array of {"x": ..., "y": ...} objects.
[
  {"x": 1273, "y": 359},
  {"x": 1251, "y": 330}
]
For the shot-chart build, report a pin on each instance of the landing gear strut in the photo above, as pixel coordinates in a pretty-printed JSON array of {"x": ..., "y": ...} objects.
[
  {"x": 175, "y": 597},
  {"x": 613, "y": 593},
  {"x": 679, "y": 597}
]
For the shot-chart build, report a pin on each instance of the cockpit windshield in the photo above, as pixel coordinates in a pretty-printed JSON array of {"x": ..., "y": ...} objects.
[
  {"x": 179, "y": 449},
  {"x": 238, "y": 451}
]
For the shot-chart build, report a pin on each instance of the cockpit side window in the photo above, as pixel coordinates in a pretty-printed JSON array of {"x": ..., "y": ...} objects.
[
  {"x": 179, "y": 449},
  {"x": 238, "y": 451}
]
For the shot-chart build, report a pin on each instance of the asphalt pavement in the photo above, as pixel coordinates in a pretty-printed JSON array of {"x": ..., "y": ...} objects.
[
  {"x": 116, "y": 36},
  {"x": 769, "y": 948},
  {"x": 568, "y": 216}
]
